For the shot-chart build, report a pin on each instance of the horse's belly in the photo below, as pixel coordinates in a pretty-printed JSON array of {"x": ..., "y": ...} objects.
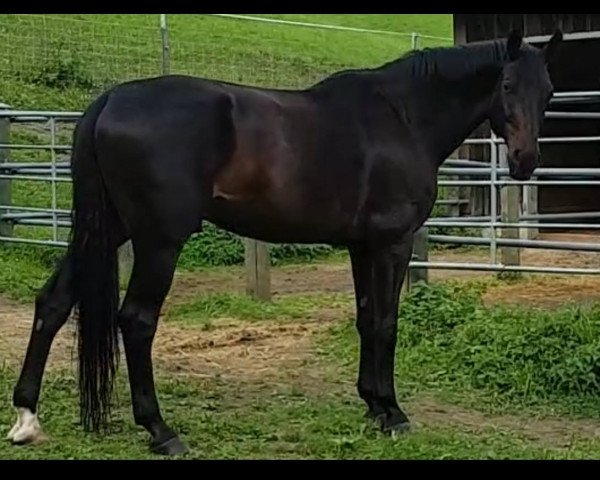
[{"x": 263, "y": 222}]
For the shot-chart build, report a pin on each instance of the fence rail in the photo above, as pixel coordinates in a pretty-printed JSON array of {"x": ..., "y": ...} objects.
[
  {"x": 465, "y": 172},
  {"x": 510, "y": 216}
]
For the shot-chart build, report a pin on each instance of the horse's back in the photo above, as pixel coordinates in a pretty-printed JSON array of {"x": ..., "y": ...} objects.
[{"x": 259, "y": 162}]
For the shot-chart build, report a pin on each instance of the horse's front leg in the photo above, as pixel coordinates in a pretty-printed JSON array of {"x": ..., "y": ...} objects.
[{"x": 378, "y": 277}]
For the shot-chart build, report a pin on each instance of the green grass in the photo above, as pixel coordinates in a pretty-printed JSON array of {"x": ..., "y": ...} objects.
[
  {"x": 252, "y": 418},
  {"x": 217, "y": 247},
  {"x": 213, "y": 307},
  {"x": 431, "y": 24},
  {"x": 497, "y": 357},
  {"x": 447, "y": 338},
  {"x": 75, "y": 56},
  {"x": 220, "y": 420},
  {"x": 24, "y": 270},
  {"x": 59, "y": 61},
  {"x": 255, "y": 418}
]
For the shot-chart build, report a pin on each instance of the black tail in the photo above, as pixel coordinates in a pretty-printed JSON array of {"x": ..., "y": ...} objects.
[{"x": 95, "y": 277}]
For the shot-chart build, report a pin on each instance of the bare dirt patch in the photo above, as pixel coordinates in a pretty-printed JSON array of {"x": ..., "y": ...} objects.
[
  {"x": 16, "y": 320},
  {"x": 249, "y": 352},
  {"x": 261, "y": 351},
  {"x": 286, "y": 280},
  {"x": 550, "y": 432},
  {"x": 231, "y": 349},
  {"x": 547, "y": 292},
  {"x": 15, "y": 327}
]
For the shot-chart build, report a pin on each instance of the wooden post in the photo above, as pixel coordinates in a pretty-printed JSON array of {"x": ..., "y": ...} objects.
[
  {"x": 166, "y": 48},
  {"x": 510, "y": 201},
  {"x": 454, "y": 193},
  {"x": 530, "y": 207},
  {"x": 258, "y": 269},
  {"x": 460, "y": 28},
  {"x": 125, "y": 264},
  {"x": 6, "y": 228},
  {"x": 421, "y": 252}
]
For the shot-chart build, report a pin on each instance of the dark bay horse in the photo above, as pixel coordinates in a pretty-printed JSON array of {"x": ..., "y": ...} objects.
[{"x": 351, "y": 161}]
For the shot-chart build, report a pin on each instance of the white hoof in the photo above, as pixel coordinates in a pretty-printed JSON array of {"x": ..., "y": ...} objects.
[
  {"x": 14, "y": 429},
  {"x": 27, "y": 429}
]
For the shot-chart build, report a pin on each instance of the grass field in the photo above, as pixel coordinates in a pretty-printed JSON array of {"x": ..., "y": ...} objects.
[
  {"x": 76, "y": 55},
  {"x": 480, "y": 379}
]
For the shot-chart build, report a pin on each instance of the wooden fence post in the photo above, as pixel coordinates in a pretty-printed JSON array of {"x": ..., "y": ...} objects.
[
  {"x": 421, "y": 252},
  {"x": 510, "y": 202},
  {"x": 258, "y": 269},
  {"x": 125, "y": 264},
  {"x": 6, "y": 228},
  {"x": 530, "y": 207}
]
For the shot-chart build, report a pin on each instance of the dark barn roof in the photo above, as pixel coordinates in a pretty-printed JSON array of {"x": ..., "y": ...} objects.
[{"x": 482, "y": 26}]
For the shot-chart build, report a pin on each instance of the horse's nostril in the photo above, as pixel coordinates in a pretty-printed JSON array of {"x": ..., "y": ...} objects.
[{"x": 517, "y": 154}]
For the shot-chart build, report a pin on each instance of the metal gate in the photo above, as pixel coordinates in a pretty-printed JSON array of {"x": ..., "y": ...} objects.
[{"x": 502, "y": 230}]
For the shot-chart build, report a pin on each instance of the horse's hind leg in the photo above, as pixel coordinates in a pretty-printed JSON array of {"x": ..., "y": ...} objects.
[
  {"x": 52, "y": 307},
  {"x": 153, "y": 269}
]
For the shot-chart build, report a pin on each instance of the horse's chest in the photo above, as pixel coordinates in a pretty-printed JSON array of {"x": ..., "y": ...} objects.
[{"x": 402, "y": 208}]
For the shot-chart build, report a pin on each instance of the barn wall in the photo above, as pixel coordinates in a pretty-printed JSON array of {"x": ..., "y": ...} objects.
[
  {"x": 577, "y": 67},
  {"x": 485, "y": 26}
]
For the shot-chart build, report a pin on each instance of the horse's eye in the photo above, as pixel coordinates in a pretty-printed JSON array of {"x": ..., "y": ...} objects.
[{"x": 507, "y": 87}]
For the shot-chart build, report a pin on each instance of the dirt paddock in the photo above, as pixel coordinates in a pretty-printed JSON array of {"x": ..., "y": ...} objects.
[{"x": 227, "y": 347}]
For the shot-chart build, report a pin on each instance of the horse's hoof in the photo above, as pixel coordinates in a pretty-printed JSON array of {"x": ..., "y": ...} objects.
[
  {"x": 369, "y": 415},
  {"x": 397, "y": 430},
  {"x": 13, "y": 430},
  {"x": 26, "y": 430},
  {"x": 173, "y": 446},
  {"x": 374, "y": 417}
]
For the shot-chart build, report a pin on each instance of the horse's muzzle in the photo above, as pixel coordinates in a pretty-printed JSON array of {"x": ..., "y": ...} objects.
[{"x": 523, "y": 164}]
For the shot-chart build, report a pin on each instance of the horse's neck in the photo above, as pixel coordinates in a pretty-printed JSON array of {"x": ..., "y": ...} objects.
[
  {"x": 442, "y": 114},
  {"x": 467, "y": 106}
]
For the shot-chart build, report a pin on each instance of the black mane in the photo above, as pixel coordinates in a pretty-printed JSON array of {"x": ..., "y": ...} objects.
[{"x": 450, "y": 63}]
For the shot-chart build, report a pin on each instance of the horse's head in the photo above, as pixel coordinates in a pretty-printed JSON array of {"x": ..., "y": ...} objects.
[{"x": 521, "y": 98}]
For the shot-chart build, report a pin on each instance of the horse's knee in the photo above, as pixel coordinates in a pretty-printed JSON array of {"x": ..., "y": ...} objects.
[
  {"x": 385, "y": 333},
  {"x": 138, "y": 325}
]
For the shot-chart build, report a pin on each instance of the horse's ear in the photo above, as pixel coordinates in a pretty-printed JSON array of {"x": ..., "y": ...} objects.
[
  {"x": 552, "y": 46},
  {"x": 513, "y": 44}
]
